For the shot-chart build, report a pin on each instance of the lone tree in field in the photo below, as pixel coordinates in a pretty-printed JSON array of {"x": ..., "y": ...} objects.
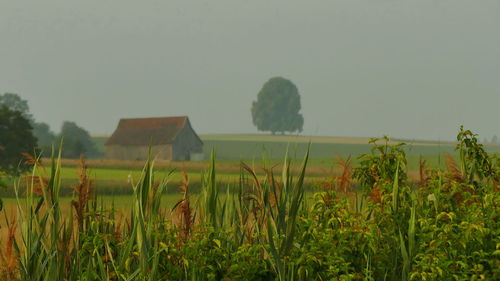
[
  {"x": 277, "y": 107},
  {"x": 16, "y": 137}
]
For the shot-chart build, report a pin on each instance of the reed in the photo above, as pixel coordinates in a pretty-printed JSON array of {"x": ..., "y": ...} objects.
[{"x": 261, "y": 227}]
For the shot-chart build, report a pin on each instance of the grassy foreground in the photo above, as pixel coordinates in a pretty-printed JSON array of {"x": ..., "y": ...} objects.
[
  {"x": 116, "y": 177},
  {"x": 444, "y": 226}
]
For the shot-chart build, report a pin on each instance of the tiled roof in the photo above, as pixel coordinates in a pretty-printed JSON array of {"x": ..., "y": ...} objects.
[{"x": 147, "y": 131}]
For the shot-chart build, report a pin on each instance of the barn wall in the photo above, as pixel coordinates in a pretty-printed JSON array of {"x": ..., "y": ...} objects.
[
  {"x": 185, "y": 143},
  {"x": 138, "y": 152}
]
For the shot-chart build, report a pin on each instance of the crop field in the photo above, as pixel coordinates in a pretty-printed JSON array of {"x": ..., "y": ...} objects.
[
  {"x": 114, "y": 177},
  {"x": 253, "y": 147},
  {"x": 267, "y": 150},
  {"x": 388, "y": 215},
  {"x": 250, "y": 146}
]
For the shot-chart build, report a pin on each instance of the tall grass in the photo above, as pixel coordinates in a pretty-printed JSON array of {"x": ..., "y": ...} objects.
[{"x": 443, "y": 227}]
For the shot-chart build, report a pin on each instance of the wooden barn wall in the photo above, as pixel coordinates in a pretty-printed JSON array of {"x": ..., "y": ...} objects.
[
  {"x": 138, "y": 152},
  {"x": 185, "y": 143}
]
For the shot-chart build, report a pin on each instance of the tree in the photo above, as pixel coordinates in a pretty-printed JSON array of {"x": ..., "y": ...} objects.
[
  {"x": 41, "y": 131},
  {"x": 16, "y": 103},
  {"x": 77, "y": 141},
  {"x": 44, "y": 136},
  {"x": 494, "y": 139},
  {"x": 277, "y": 107},
  {"x": 16, "y": 137}
]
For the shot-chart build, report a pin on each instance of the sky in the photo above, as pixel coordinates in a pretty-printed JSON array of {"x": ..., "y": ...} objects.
[{"x": 405, "y": 68}]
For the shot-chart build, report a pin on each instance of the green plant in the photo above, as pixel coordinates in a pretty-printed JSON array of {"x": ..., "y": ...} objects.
[
  {"x": 15, "y": 138},
  {"x": 382, "y": 165},
  {"x": 474, "y": 161},
  {"x": 444, "y": 227}
]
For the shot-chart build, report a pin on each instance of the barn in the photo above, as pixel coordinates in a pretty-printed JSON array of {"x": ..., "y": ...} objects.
[{"x": 170, "y": 138}]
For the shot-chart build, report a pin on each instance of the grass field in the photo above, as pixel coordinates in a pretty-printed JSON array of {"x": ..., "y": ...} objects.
[
  {"x": 249, "y": 147},
  {"x": 253, "y": 148},
  {"x": 116, "y": 177}
]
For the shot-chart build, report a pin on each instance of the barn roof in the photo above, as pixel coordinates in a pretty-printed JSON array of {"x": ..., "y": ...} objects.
[{"x": 147, "y": 131}]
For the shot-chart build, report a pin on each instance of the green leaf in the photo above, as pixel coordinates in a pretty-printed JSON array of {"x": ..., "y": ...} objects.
[{"x": 395, "y": 190}]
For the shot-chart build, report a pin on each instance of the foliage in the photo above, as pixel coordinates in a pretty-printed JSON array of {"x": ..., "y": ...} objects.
[
  {"x": 335, "y": 244},
  {"x": 475, "y": 162},
  {"x": 277, "y": 107},
  {"x": 382, "y": 165},
  {"x": 443, "y": 227},
  {"x": 77, "y": 141},
  {"x": 44, "y": 136},
  {"x": 16, "y": 103},
  {"x": 40, "y": 130},
  {"x": 15, "y": 138}
]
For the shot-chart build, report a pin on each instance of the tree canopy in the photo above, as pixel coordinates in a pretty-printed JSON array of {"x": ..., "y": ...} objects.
[
  {"x": 77, "y": 141},
  {"x": 277, "y": 107},
  {"x": 44, "y": 136},
  {"x": 16, "y": 103},
  {"x": 16, "y": 137},
  {"x": 41, "y": 130}
]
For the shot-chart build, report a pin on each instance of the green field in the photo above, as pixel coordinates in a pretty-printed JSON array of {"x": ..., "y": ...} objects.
[
  {"x": 248, "y": 146},
  {"x": 255, "y": 146},
  {"x": 256, "y": 150},
  {"x": 231, "y": 149}
]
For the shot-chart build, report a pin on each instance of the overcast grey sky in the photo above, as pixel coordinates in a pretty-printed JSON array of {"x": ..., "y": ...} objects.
[{"x": 406, "y": 68}]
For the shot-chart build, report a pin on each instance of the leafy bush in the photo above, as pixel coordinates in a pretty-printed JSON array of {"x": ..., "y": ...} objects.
[{"x": 443, "y": 227}]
